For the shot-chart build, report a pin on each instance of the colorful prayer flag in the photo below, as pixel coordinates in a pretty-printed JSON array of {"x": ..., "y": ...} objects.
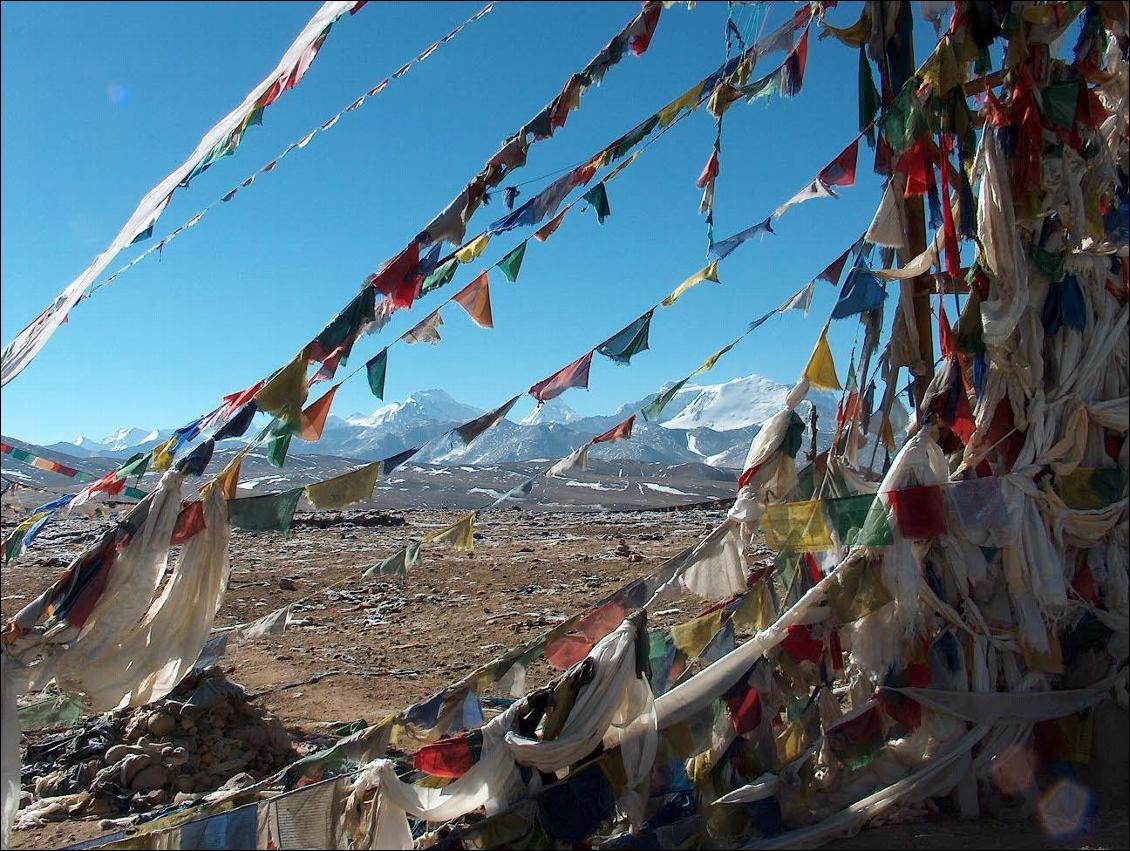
[
  {"x": 575, "y": 374},
  {"x": 272, "y": 512},
  {"x": 511, "y": 264},
  {"x": 375, "y": 371},
  {"x": 354, "y": 486},
  {"x": 629, "y": 341},
  {"x": 425, "y": 331},
  {"x": 707, "y": 273},
  {"x": 821, "y": 369},
  {"x": 284, "y": 392},
  {"x": 796, "y": 527},
  {"x": 622, "y": 431},
  {"x": 469, "y": 431},
  {"x": 314, "y": 416},
  {"x": 475, "y": 299},
  {"x": 460, "y": 534}
]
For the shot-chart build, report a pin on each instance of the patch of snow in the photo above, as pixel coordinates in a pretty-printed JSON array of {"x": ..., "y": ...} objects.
[{"x": 665, "y": 489}]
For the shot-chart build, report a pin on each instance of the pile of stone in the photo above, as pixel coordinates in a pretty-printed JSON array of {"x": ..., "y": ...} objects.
[{"x": 193, "y": 742}]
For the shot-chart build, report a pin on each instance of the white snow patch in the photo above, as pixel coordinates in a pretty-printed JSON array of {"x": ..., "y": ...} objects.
[{"x": 665, "y": 489}]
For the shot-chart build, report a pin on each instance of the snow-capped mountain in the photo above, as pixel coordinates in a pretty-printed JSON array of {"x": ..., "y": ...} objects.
[{"x": 706, "y": 424}]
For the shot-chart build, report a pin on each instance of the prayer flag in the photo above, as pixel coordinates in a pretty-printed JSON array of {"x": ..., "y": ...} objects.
[
  {"x": 163, "y": 455},
  {"x": 392, "y": 462},
  {"x": 575, "y": 374},
  {"x": 630, "y": 341},
  {"x": 284, "y": 392},
  {"x": 196, "y": 461},
  {"x": 796, "y": 526},
  {"x": 707, "y": 273},
  {"x": 242, "y": 397},
  {"x": 473, "y": 249},
  {"x": 272, "y": 512},
  {"x": 190, "y": 521},
  {"x": 597, "y": 198},
  {"x": 687, "y": 100},
  {"x": 425, "y": 331},
  {"x": 511, "y": 264},
  {"x": 578, "y": 459},
  {"x": 398, "y": 278},
  {"x": 849, "y": 517},
  {"x": 821, "y": 369},
  {"x": 524, "y": 216},
  {"x": 549, "y": 228},
  {"x": 801, "y": 299},
  {"x": 708, "y": 364},
  {"x": 445, "y": 758},
  {"x": 862, "y": 292},
  {"x": 469, "y": 431},
  {"x": 440, "y": 276},
  {"x": 832, "y": 272},
  {"x": 722, "y": 249},
  {"x": 693, "y": 636},
  {"x": 841, "y": 170},
  {"x": 653, "y": 409},
  {"x": 857, "y": 589},
  {"x": 709, "y": 171},
  {"x": 375, "y": 370},
  {"x": 354, "y": 486},
  {"x": 566, "y": 650},
  {"x": 398, "y": 564},
  {"x": 237, "y": 425},
  {"x": 623, "y": 431},
  {"x": 228, "y": 480},
  {"x": 135, "y": 466},
  {"x": 278, "y": 445},
  {"x": 475, "y": 299},
  {"x": 460, "y": 534},
  {"x": 314, "y": 416},
  {"x": 919, "y": 512},
  {"x": 816, "y": 189}
]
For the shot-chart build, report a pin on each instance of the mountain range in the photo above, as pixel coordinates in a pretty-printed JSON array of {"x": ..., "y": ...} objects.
[{"x": 707, "y": 424}]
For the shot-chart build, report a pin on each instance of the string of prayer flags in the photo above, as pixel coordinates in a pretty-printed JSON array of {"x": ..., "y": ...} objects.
[
  {"x": 723, "y": 248},
  {"x": 816, "y": 189},
  {"x": 686, "y": 101},
  {"x": 346, "y": 489},
  {"x": 511, "y": 264},
  {"x": 796, "y": 527},
  {"x": 375, "y": 370},
  {"x": 398, "y": 564},
  {"x": 475, "y": 299},
  {"x": 707, "y": 273},
  {"x": 575, "y": 374},
  {"x": 629, "y": 341},
  {"x": 549, "y": 228},
  {"x": 469, "y": 431},
  {"x": 597, "y": 198},
  {"x": 425, "y": 331},
  {"x": 272, "y": 512},
  {"x": 841, "y": 170},
  {"x": 821, "y": 368},
  {"x": 314, "y": 416},
  {"x": 621, "y": 431},
  {"x": 578, "y": 459},
  {"x": 473, "y": 249},
  {"x": 284, "y": 393},
  {"x": 460, "y": 534},
  {"x": 20, "y": 537}
]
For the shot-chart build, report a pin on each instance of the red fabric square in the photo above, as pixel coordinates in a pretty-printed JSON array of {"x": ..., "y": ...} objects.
[{"x": 919, "y": 512}]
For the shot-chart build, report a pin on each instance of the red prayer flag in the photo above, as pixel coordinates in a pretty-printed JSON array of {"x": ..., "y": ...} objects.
[
  {"x": 709, "y": 171},
  {"x": 398, "y": 277},
  {"x": 190, "y": 521},
  {"x": 835, "y": 269},
  {"x": 623, "y": 431},
  {"x": 445, "y": 758},
  {"x": 841, "y": 170},
  {"x": 919, "y": 512},
  {"x": 638, "y": 42},
  {"x": 238, "y": 400},
  {"x": 314, "y": 415},
  {"x": 799, "y": 643},
  {"x": 945, "y": 332},
  {"x": 575, "y": 374},
  {"x": 915, "y": 164},
  {"x": 601, "y": 622},
  {"x": 745, "y": 710},
  {"x": 566, "y": 651},
  {"x": 953, "y": 251}
]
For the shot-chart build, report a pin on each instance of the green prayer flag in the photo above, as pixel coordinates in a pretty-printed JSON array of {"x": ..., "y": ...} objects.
[
  {"x": 62, "y": 710},
  {"x": 375, "y": 369},
  {"x": 397, "y": 564},
  {"x": 849, "y": 517},
  {"x": 272, "y": 512},
  {"x": 857, "y": 590},
  {"x": 441, "y": 275},
  {"x": 135, "y": 466},
  {"x": 904, "y": 122},
  {"x": 634, "y": 137},
  {"x": 1060, "y": 100},
  {"x": 597, "y": 197},
  {"x": 868, "y": 94},
  {"x": 512, "y": 262},
  {"x": 654, "y": 408},
  {"x": 629, "y": 341},
  {"x": 277, "y": 446},
  {"x": 876, "y": 531}
]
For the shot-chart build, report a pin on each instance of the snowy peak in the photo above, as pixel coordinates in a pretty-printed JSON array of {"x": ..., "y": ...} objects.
[
  {"x": 736, "y": 404},
  {"x": 424, "y": 405},
  {"x": 553, "y": 411}
]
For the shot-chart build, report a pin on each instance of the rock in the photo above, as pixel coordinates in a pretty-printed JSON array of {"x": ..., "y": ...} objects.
[
  {"x": 133, "y": 765},
  {"x": 635, "y": 558},
  {"x": 252, "y": 735},
  {"x": 183, "y": 783},
  {"x": 183, "y": 798},
  {"x": 161, "y": 724},
  {"x": 287, "y": 584},
  {"x": 119, "y": 752},
  {"x": 150, "y": 778}
]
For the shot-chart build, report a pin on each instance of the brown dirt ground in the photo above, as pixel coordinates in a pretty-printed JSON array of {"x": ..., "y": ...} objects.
[{"x": 390, "y": 645}]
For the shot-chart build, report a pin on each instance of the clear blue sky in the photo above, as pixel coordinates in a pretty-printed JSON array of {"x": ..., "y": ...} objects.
[{"x": 101, "y": 100}]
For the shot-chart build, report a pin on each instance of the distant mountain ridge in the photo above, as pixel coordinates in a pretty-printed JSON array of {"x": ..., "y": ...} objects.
[{"x": 708, "y": 424}]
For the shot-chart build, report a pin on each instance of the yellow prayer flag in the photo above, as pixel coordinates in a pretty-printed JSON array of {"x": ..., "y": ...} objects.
[
  {"x": 285, "y": 392},
  {"x": 622, "y": 166},
  {"x": 473, "y": 249},
  {"x": 345, "y": 489},
  {"x": 707, "y": 273},
  {"x": 796, "y": 526},
  {"x": 693, "y": 636},
  {"x": 708, "y": 364},
  {"x": 821, "y": 369},
  {"x": 228, "y": 479},
  {"x": 162, "y": 456},
  {"x": 460, "y": 534},
  {"x": 687, "y": 100},
  {"x": 755, "y": 612}
]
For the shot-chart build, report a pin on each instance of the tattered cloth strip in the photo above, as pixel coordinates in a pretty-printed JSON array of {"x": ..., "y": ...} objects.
[
  {"x": 630, "y": 341},
  {"x": 218, "y": 142},
  {"x": 426, "y": 331},
  {"x": 354, "y": 486},
  {"x": 578, "y": 459},
  {"x": 460, "y": 534},
  {"x": 723, "y": 248},
  {"x": 707, "y": 273},
  {"x": 469, "y": 431}
]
